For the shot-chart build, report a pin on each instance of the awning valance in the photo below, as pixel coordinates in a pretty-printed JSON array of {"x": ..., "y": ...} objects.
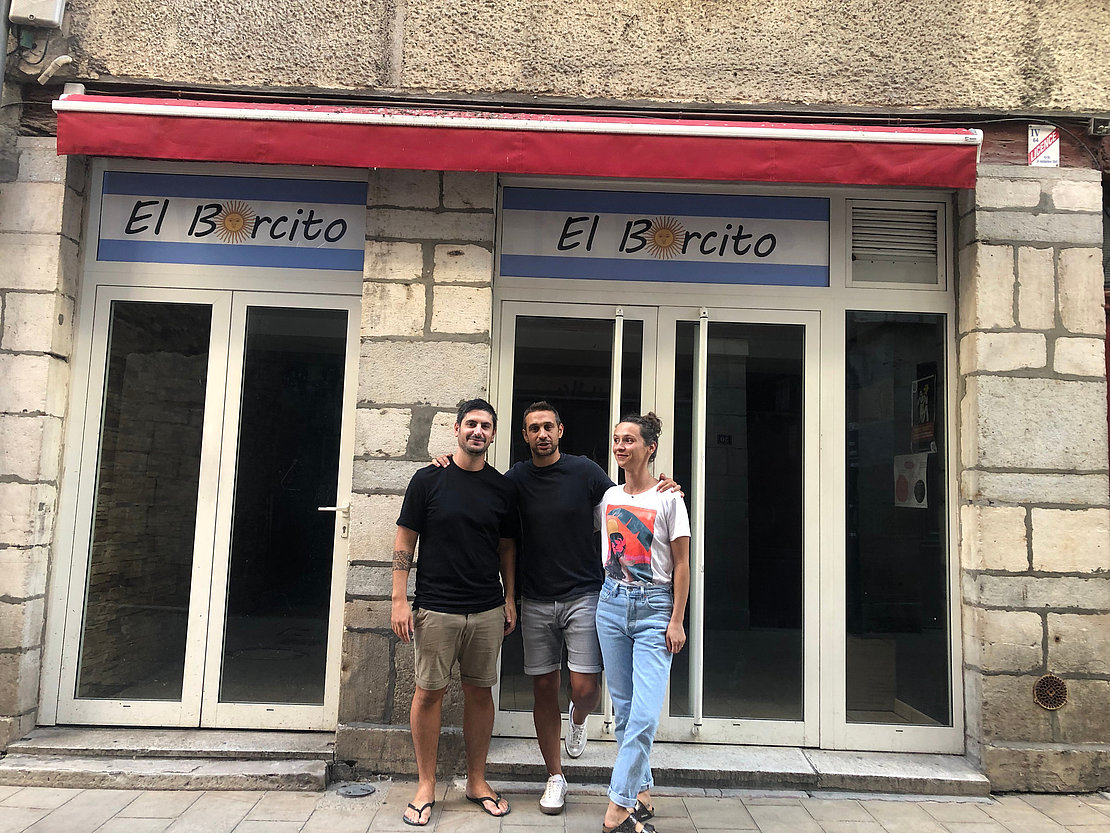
[{"x": 520, "y": 143}]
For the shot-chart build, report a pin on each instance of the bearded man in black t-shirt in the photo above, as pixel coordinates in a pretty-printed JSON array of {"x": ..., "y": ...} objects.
[
  {"x": 464, "y": 517},
  {"x": 560, "y": 577}
]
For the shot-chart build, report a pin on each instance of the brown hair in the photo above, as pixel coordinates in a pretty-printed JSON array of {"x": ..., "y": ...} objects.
[{"x": 650, "y": 427}]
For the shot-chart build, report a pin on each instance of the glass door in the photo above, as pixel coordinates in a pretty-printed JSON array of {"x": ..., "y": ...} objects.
[
  {"x": 204, "y": 589},
  {"x": 280, "y": 516},
  {"x": 741, "y": 387},
  {"x": 592, "y": 363},
  {"x": 737, "y": 391}
]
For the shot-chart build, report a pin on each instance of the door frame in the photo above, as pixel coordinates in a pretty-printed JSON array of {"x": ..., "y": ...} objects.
[
  {"x": 802, "y": 732},
  {"x": 519, "y": 723},
  {"x": 199, "y": 704},
  {"x": 143, "y": 279}
]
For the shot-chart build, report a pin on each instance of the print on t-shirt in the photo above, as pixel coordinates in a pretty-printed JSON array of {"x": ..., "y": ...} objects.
[{"x": 630, "y": 532}]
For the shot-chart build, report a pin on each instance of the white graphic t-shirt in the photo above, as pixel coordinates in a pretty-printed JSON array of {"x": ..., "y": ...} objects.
[{"x": 636, "y": 534}]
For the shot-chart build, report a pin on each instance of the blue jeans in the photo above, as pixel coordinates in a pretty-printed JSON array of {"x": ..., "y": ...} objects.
[{"x": 632, "y": 628}]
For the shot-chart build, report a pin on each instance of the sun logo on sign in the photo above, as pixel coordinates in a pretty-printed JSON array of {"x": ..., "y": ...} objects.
[
  {"x": 233, "y": 224},
  {"x": 665, "y": 239}
]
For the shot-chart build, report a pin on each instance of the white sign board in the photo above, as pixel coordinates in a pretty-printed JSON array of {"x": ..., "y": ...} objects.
[
  {"x": 1044, "y": 146},
  {"x": 232, "y": 221},
  {"x": 657, "y": 236}
]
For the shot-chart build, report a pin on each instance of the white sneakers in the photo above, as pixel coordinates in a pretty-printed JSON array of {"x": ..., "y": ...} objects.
[
  {"x": 576, "y": 735},
  {"x": 554, "y": 795}
]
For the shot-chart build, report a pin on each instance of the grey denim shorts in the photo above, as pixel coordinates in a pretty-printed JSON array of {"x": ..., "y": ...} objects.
[{"x": 546, "y": 626}]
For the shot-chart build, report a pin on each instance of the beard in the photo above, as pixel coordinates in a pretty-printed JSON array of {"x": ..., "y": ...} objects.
[
  {"x": 472, "y": 451},
  {"x": 545, "y": 452}
]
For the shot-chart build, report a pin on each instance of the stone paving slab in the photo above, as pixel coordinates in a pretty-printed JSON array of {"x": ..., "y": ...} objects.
[{"x": 678, "y": 810}]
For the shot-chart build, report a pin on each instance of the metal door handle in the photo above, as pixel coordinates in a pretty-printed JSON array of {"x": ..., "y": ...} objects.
[{"x": 344, "y": 513}]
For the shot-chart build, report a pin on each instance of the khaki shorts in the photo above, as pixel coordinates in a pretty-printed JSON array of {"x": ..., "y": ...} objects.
[{"x": 471, "y": 639}]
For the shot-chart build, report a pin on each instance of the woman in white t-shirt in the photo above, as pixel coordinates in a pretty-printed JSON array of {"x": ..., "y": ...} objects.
[{"x": 646, "y": 554}]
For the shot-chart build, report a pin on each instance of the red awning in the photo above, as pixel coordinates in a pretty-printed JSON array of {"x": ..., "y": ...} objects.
[{"x": 519, "y": 143}]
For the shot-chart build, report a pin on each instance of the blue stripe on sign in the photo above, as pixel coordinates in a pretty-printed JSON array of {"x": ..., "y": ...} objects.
[
  {"x": 222, "y": 254},
  {"x": 726, "y": 206},
  {"x": 332, "y": 192},
  {"x": 601, "y": 269}
]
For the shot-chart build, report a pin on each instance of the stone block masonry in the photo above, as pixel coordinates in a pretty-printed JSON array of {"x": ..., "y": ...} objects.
[
  {"x": 40, "y": 221},
  {"x": 426, "y": 312},
  {"x": 1035, "y": 503}
]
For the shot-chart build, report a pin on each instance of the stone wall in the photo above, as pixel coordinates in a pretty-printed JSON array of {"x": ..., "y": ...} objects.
[
  {"x": 40, "y": 218},
  {"x": 1035, "y": 509},
  {"x": 426, "y": 308}
]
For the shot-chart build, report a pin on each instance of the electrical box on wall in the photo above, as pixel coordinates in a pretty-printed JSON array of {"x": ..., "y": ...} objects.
[{"x": 44, "y": 13}]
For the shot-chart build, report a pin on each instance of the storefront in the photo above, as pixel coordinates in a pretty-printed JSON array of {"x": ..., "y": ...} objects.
[
  {"x": 760, "y": 320},
  {"x": 264, "y": 353},
  {"x": 213, "y": 419},
  {"x": 804, "y": 391}
]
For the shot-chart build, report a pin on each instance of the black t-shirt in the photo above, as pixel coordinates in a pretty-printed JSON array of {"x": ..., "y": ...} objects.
[
  {"x": 461, "y": 517},
  {"x": 558, "y": 557}
]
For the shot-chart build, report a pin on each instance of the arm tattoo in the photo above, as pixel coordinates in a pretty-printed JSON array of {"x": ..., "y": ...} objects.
[{"x": 402, "y": 560}]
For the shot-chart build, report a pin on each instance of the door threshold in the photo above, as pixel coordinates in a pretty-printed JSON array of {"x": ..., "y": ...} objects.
[
  {"x": 240, "y": 744},
  {"x": 758, "y": 768}
]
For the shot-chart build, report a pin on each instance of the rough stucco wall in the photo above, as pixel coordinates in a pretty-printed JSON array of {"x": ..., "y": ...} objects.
[
  {"x": 835, "y": 53},
  {"x": 309, "y": 44}
]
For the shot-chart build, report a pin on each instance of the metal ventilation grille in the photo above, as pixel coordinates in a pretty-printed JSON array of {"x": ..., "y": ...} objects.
[
  {"x": 896, "y": 243},
  {"x": 894, "y": 234}
]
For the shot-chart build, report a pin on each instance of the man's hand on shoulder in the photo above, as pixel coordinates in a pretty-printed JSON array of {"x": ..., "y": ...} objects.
[
  {"x": 441, "y": 462},
  {"x": 666, "y": 484}
]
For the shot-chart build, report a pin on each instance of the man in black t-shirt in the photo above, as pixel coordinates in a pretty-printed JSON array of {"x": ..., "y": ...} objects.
[
  {"x": 465, "y": 518},
  {"x": 560, "y": 576}
]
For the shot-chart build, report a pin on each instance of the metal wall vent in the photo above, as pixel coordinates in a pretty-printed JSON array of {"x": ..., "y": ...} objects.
[
  {"x": 1050, "y": 692},
  {"x": 897, "y": 243}
]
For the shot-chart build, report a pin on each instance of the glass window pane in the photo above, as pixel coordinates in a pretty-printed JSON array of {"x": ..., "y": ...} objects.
[
  {"x": 279, "y": 584},
  {"x": 898, "y": 668},
  {"x": 144, "y": 515}
]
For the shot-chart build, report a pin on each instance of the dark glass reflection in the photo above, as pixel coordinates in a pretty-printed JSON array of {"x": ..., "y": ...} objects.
[
  {"x": 753, "y": 518},
  {"x": 144, "y": 516},
  {"x": 897, "y": 554},
  {"x": 279, "y": 585}
]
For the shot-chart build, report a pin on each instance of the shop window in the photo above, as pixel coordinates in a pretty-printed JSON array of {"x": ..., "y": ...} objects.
[{"x": 896, "y": 565}]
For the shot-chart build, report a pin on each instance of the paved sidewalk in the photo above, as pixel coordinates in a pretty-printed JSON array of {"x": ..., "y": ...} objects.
[{"x": 50, "y": 810}]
